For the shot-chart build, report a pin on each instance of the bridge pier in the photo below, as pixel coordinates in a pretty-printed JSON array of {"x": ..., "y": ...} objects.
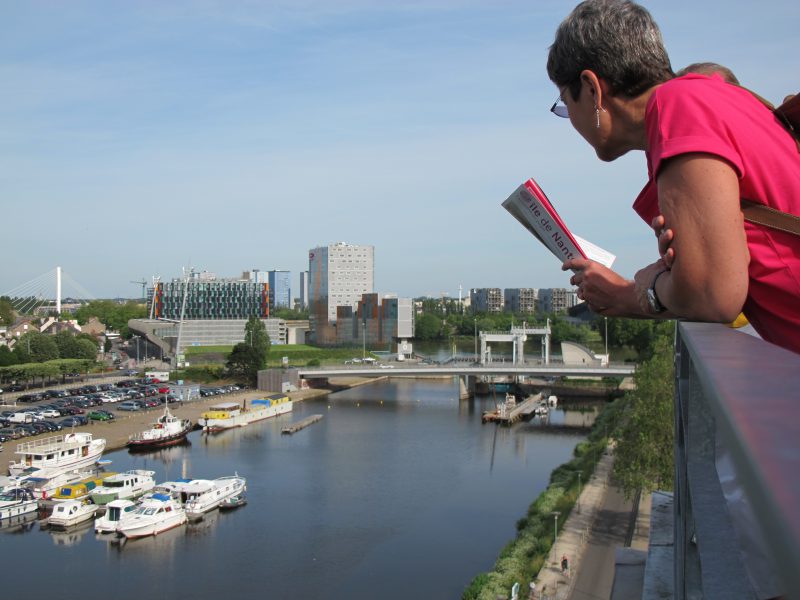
[{"x": 466, "y": 387}]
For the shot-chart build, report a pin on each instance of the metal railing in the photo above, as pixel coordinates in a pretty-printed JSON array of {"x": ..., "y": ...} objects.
[{"x": 738, "y": 397}]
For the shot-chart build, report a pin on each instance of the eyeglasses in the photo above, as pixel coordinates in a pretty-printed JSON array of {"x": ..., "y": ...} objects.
[{"x": 559, "y": 109}]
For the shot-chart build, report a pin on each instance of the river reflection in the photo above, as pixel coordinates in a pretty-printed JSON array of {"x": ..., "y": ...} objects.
[{"x": 399, "y": 491}]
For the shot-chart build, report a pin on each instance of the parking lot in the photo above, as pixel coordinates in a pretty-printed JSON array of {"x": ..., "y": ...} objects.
[{"x": 47, "y": 411}]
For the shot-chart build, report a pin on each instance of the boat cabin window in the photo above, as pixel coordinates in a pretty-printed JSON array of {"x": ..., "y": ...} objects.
[{"x": 50, "y": 456}]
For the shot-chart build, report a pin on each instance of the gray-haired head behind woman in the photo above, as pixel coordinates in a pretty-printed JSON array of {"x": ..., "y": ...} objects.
[{"x": 618, "y": 40}]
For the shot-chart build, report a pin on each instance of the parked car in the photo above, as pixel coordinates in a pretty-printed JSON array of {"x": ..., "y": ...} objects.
[
  {"x": 10, "y": 433},
  {"x": 74, "y": 421},
  {"x": 100, "y": 415},
  {"x": 52, "y": 425},
  {"x": 129, "y": 405}
]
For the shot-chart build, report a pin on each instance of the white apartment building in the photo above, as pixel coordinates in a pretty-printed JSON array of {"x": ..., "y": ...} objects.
[{"x": 339, "y": 274}]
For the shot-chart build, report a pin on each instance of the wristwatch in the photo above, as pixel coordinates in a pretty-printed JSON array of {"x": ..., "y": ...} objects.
[{"x": 652, "y": 297}]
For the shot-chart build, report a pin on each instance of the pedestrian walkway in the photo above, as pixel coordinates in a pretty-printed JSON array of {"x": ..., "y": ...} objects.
[{"x": 572, "y": 540}]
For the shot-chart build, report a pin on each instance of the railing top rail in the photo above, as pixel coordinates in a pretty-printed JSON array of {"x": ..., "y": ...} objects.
[{"x": 753, "y": 388}]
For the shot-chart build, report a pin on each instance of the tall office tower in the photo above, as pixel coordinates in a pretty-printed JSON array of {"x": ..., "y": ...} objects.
[
  {"x": 484, "y": 300},
  {"x": 337, "y": 276},
  {"x": 280, "y": 289},
  {"x": 303, "y": 290},
  {"x": 520, "y": 300}
]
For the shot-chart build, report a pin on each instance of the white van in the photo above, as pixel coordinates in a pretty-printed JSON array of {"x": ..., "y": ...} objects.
[{"x": 21, "y": 417}]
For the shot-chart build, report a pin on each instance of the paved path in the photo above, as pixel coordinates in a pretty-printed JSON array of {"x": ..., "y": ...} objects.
[
  {"x": 597, "y": 525},
  {"x": 595, "y": 577}
]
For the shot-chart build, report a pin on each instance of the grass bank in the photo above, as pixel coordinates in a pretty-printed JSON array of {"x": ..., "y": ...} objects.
[{"x": 523, "y": 557}]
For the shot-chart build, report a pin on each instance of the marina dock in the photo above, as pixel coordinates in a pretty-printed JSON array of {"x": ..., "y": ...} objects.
[
  {"x": 295, "y": 427},
  {"x": 510, "y": 412}
]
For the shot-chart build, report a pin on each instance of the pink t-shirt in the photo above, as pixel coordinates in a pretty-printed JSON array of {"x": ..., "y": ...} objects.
[{"x": 695, "y": 113}]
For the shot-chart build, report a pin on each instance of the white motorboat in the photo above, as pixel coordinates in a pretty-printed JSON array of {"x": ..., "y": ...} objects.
[
  {"x": 124, "y": 486},
  {"x": 71, "y": 512},
  {"x": 116, "y": 511},
  {"x": 168, "y": 430},
  {"x": 59, "y": 454},
  {"x": 17, "y": 501},
  {"x": 227, "y": 415},
  {"x": 200, "y": 496},
  {"x": 155, "y": 514}
]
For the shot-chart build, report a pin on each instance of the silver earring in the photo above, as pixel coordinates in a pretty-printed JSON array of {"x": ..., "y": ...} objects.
[{"x": 597, "y": 112}]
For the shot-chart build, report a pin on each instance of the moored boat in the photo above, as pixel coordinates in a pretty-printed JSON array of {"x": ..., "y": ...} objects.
[
  {"x": 59, "y": 454},
  {"x": 17, "y": 501},
  {"x": 168, "y": 430},
  {"x": 71, "y": 512},
  {"x": 124, "y": 486},
  {"x": 227, "y": 415},
  {"x": 155, "y": 514},
  {"x": 116, "y": 511},
  {"x": 80, "y": 489},
  {"x": 200, "y": 496},
  {"x": 234, "y": 501}
]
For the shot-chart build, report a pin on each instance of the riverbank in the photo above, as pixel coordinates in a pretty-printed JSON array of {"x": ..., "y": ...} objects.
[{"x": 117, "y": 432}]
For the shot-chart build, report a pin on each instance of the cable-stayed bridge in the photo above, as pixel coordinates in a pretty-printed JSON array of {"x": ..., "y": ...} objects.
[{"x": 46, "y": 292}]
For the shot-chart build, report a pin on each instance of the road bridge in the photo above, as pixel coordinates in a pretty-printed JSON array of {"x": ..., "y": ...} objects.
[{"x": 468, "y": 374}]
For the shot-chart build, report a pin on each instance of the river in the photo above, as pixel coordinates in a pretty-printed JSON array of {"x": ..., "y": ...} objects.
[{"x": 398, "y": 492}]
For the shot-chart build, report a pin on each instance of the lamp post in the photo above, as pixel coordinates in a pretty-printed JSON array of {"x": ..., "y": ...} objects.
[
  {"x": 364, "y": 339},
  {"x": 555, "y": 513},
  {"x": 579, "y": 491},
  {"x": 606, "y": 338}
]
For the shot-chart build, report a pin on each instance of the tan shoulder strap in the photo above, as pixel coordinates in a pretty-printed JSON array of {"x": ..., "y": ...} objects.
[{"x": 769, "y": 217}]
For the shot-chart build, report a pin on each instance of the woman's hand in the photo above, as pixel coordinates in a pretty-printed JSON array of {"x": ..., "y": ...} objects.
[
  {"x": 606, "y": 292},
  {"x": 665, "y": 237}
]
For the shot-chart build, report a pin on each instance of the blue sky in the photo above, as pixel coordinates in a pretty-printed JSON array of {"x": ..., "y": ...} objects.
[{"x": 140, "y": 137}]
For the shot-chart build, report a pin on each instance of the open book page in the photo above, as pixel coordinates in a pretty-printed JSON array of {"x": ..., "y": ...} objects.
[{"x": 529, "y": 205}]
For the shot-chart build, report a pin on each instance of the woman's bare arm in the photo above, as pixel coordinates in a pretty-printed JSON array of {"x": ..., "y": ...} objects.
[{"x": 699, "y": 198}]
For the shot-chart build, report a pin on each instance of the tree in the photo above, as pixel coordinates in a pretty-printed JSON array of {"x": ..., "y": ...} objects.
[
  {"x": 427, "y": 327},
  {"x": 36, "y": 347},
  {"x": 7, "y": 357},
  {"x": 243, "y": 361},
  {"x": 6, "y": 311},
  {"x": 643, "y": 456},
  {"x": 249, "y": 357},
  {"x": 256, "y": 336},
  {"x": 66, "y": 343},
  {"x": 84, "y": 348}
]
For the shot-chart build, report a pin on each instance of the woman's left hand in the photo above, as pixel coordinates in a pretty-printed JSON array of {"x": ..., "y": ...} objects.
[{"x": 606, "y": 292}]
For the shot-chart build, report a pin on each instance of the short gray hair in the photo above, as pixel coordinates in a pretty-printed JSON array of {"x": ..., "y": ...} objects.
[{"x": 618, "y": 40}]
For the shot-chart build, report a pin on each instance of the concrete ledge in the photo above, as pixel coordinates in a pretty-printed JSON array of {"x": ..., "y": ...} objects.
[
  {"x": 658, "y": 574},
  {"x": 629, "y": 567}
]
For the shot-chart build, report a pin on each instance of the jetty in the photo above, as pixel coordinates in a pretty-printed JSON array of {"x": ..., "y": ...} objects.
[
  {"x": 510, "y": 411},
  {"x": 302, "y": 424}
]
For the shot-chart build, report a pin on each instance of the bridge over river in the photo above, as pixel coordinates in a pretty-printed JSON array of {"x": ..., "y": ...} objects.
[{"x": 468, "y": 373}]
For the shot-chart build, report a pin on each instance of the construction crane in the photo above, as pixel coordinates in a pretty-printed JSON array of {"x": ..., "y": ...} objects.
[{"x": 142, "y": 283}]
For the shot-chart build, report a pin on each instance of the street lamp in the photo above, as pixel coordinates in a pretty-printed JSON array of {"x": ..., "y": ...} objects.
[
  {"x": 555, "y": 513},
  {"x": 606, "y": 338},
  {"x": 364, "y": 339},
  {"x": 579, "y": 491}
]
